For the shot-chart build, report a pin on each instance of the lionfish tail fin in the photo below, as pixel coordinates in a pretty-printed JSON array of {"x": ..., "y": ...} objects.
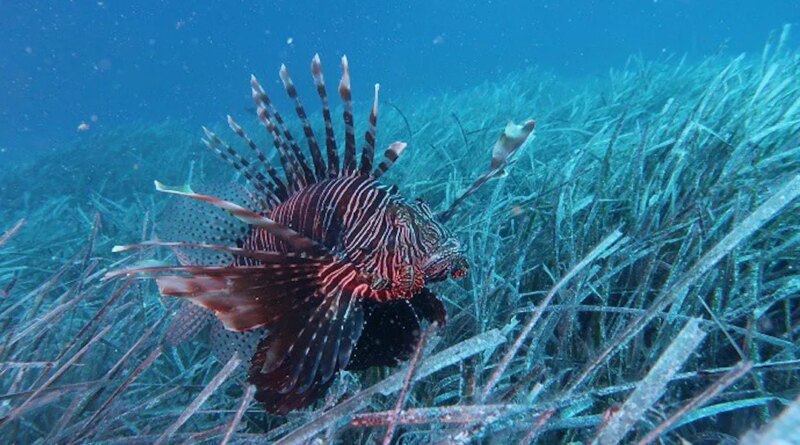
[
  {"x": 187, "y": 322},
  {"x": 511, "y": 140}
]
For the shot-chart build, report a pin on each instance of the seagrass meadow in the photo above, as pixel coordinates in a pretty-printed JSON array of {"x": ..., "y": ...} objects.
[{"x": 634, "y": 277}]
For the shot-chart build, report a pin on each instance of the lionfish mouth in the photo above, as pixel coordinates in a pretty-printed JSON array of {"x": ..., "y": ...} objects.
[
  {"x": 442, "y": 265},
  {"x": 460, "y": 269}
]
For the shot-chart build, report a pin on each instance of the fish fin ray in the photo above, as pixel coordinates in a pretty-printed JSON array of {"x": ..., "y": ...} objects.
[
  {"x": 511, "y": 140},
  {"x": 330, "y": 137},
  {"x": 297, "y": 362},
  {"x": 311, "y": 139},
  {"x": 368, "y": 151},
  {"x": 390, "y": 156}
]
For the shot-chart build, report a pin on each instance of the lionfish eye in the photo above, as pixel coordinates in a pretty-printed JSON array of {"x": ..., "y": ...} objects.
[{"x": 400, "y": 216}]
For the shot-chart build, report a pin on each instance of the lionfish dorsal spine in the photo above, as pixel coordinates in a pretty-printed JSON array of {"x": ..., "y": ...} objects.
[
  {"x": 349, "y": 164},
  {"x": 330, "y": 137},
  {"x": 368, "y": 151},
  {"x": 242, "y": 165},
  {"x": 294, "y": 153},
  {"x": 389, "y": 157},
  {"x": 313, "y": 146},
  {"x": 274, "y": 188},
  {"x": 290, "y": 167},
  {"x": 278, "y": 185}
]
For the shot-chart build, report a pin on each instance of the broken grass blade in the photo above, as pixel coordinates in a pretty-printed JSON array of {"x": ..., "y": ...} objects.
[
  {"x": 246, "y": 399},
  {"x": 652, "y": 387},
  {"x": 154, "y": 354},
  {"x": 12, "y": 231},
  {"x": 598, "y": 251},
  {"x": 201, "y": 398},
  {"x": 114, "y": 297},
  {"x": 17, "y": 365},
  {"x": 412, "y": 366},
  {"x": 456, "y": 414},
  {"x": 537, "y": 427}
]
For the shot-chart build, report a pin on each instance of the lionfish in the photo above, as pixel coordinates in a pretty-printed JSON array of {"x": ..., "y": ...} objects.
[{"x": 321, "y": 268}]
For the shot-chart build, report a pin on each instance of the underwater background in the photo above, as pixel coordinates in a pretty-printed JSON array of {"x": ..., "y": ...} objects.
[{"x": 633, "y": 278}]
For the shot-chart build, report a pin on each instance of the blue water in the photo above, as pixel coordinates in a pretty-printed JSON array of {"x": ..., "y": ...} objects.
[{"x": 109, "y": 63}]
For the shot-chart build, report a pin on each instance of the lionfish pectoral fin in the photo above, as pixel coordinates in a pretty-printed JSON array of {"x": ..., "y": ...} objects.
[
  {"x": 295, "y": 364},
  {"x": 312, "y": 307},
  {"x": 249, "y": 297}
]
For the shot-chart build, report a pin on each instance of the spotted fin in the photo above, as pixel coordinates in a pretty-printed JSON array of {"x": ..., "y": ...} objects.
[
  {"x": 298, "y": 242},
  {"x": 189, "y": 224}
]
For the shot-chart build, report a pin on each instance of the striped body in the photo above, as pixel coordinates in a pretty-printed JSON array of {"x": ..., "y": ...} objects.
[{"x": 366, "y": 226}]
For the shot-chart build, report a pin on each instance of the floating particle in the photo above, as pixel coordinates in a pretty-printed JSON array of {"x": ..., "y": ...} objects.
[{"x": 83, "y": 127}]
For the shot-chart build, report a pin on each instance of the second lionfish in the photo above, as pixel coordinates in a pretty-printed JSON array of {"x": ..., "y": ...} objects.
[{"x": 325, "y": 266}]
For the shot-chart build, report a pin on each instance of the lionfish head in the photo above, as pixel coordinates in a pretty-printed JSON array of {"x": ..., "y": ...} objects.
[{"x": 436, "y": 250}]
